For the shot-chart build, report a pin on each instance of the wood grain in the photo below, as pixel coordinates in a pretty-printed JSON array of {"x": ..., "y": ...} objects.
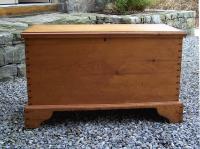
[
  {"x": 95, "y": 70},
  {"x": 17, "y": 10},
  {"x": 102, "y": 66},
  {"x": 37, "y": 114},
  {"x": 93, "y": 28},
  {"x": 99, "y": 30}
]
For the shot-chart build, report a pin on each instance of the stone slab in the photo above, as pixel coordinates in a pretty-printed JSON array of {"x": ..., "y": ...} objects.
[
  {"x": 8, "y": 72},
  {"x": 21, "y": 70},
  {"x": 6, "y": 38},
  {"x": 13, "y": 54}
]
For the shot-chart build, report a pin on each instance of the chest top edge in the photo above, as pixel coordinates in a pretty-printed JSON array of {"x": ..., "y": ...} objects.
[{"x": 106, "y": 30}]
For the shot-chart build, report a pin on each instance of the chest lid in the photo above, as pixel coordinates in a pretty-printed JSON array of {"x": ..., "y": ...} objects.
[{"x": 101, "y": 30}]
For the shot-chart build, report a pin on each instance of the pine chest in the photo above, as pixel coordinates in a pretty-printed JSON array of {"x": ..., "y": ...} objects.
[{"x": 100, "y": 67}]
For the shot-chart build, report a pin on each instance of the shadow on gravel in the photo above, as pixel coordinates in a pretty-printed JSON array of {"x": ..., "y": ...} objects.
[{"x": 106, "y": 116}]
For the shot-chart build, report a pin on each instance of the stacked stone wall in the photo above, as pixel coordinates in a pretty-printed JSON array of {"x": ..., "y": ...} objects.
[{"x": 12, "y": 53}]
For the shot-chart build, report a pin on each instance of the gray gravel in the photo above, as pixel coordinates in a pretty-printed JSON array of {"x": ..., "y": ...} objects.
[{"x": 105, "y": 129}]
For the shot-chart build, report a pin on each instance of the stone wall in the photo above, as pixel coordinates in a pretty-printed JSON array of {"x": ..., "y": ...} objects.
[
  {"x": 72, "y": 6},
  {"x": 11, "y": 50},
  {"x": 184, "y": 20},
  {"x": 12, "y": 45}
]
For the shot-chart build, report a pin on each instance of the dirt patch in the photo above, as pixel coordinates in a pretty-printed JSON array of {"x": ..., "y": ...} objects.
[{"x": 178, "y": 5}]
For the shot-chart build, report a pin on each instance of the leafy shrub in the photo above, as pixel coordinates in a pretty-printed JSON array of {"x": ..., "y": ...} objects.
[
  {"x": 133, "y": 5},
  {"x": 121, "y": 5},
  {"x": 139, "y": 4}
]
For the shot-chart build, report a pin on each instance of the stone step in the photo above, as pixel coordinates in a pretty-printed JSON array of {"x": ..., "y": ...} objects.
[{"x": 24, "y": 9}]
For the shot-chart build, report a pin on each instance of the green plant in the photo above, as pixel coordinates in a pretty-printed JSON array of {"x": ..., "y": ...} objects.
[
  {"x": 139, "y": 5},
  {"x": 121, "y": 5},
  {"x": 133, "y": 5}
]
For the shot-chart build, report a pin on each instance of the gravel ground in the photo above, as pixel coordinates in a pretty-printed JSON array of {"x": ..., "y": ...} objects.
[{"x": 105, "y": 129}]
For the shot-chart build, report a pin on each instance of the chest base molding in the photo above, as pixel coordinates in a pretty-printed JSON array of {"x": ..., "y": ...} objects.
[{"x": 36, "y": 114}]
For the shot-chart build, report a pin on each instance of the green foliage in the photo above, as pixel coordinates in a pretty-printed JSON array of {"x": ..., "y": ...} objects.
[
  {"x": 133, "y": 5},
  {"x": 139, "y": 4},
  {"x": 122, "y": 5}
]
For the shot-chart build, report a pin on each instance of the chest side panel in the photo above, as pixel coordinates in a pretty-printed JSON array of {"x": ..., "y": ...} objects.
[{"x": 99, "y": 70}]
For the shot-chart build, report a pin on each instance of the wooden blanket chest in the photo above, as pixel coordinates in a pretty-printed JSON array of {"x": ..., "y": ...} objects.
[{"x": 99, "y": 67}]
